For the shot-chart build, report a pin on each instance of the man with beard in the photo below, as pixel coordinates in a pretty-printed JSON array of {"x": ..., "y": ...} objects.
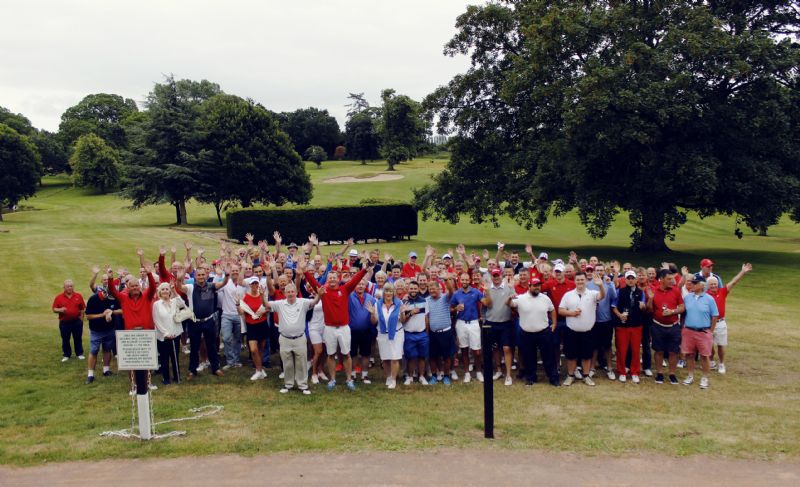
[
  {"x": 416, "y": 344},
  {"x": 465, "y": 303},
  {"x": 537, "y": 319}
]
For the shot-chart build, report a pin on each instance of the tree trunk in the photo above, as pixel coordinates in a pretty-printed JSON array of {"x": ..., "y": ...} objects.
[
  {"x": 177, "y": 213},
  {"x": 649, "y": 233},
  {"x": 218, "y": 207},
  {"x": 762, "y": 231},
  {"x": 182, "y": 206},
  {"x": 363, "y": 162},
  {"x": 390, "y": 167},
  {"x": 1, "y": 214}
]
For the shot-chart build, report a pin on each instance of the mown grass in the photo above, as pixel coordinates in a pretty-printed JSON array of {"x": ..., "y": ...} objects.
[{"x": 47, "y": 414}]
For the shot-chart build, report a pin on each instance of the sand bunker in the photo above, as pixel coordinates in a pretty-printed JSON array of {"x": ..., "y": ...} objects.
[{"x": 376, "y": 178}]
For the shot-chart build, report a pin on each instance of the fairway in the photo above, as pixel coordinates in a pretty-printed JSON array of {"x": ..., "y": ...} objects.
[{"x": 47, "y": 414}]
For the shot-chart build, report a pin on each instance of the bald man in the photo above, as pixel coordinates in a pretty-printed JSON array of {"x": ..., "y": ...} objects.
[{"x": 70, "y": 308}]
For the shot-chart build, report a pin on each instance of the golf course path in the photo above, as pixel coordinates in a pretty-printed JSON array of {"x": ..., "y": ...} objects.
[{"x": 488, "y": 467}]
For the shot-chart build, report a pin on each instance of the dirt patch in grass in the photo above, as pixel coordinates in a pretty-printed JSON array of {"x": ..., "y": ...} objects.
[{"x": 365, "y": 178}]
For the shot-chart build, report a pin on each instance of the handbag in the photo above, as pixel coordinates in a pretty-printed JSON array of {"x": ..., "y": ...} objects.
[{"x": 183, "y": 313}]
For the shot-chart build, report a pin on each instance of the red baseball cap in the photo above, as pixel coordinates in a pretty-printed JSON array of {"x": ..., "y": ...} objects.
[
  {"x": 496, "y": 271},
  {"x": 706, "y": 263},
  {"x": 535, "y": 281}
]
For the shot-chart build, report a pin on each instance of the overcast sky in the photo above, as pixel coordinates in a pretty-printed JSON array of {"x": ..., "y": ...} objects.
[{"x": 283, "y": 54}]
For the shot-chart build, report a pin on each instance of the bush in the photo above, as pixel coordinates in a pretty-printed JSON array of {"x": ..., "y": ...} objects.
[{"x": 385, "y": 221}]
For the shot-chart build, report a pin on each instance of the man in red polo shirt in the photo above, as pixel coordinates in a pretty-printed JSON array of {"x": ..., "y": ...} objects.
[
  {"x": 666, "y": 305},
  {"x": 335, "y": 308},
  {"x": 556, "y": 287},
  {"x": 69, "y": 306},
  {"x": 137, "y": 307},
  {"x": 411, "y": 268},
  {"x": 720, "y": 295}
]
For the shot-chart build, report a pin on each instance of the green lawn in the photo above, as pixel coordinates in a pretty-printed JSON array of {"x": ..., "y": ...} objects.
[{"x": 47, "y": 414}]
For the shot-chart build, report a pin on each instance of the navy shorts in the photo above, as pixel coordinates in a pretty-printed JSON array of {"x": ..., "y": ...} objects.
[
  {"x": 257, "y": 333},
  {"x": 361, "y": 342},
  {"x": 603, "y": 332},
  {"x": 442, "y": 344},
  {"x": 501, "y": 333},
  {"x": 416, "y": 345},
  {"x": 666, "y": 339},
  {"x": 578, "y": 345},
  {"x": 105, "y": 338}
]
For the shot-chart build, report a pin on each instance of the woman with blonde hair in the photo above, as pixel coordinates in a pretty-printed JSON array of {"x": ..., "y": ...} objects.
[
  {"x": 168, "y": 332},
  {"x": 386, "y": 314}
]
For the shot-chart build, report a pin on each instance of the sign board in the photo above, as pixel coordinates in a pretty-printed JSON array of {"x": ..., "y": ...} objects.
[{"x": 136, "y": 350}]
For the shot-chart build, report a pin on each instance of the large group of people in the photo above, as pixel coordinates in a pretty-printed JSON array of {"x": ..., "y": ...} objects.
[{"x": 321, "y": 314}]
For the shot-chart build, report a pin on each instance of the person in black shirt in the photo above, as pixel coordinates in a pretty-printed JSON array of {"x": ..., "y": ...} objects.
[
  {"x": 628, "y": 309},
  {"x": 100, "y": 311}
]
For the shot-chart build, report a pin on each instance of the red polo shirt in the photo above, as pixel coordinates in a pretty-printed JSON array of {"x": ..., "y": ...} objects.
[
  {"x": 74, "y": 305},
  {"x": 720, "y": 297},
  {"x": 556, "y": 290},
  {"x": 336, "y": 304},
  {"x": 670, "y": 298},
  {"x": 410, "y": 270},
  {"x": 137, "y": 313}
]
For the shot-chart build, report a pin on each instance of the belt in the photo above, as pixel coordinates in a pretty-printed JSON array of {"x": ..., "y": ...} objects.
[
  {"x": 700, "y": 330},
  {"x": 666, "y": 325},
  {"x": 292, "y": 338},
  {"x": 467, "y": 322},
  {"x": 203, "y": 320},
  {"x": 444, "y": 330},
  {"x": 414, "y": 332}
]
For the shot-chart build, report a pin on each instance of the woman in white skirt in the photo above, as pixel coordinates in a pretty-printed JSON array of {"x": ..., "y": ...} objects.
[{"x": 386, "y": 315}]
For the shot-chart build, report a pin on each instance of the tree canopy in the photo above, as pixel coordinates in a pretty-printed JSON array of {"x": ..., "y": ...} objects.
[
  {"x": 651, "y": 108},
  {"x": 315, "y": 154},
  {"x": 101, "y": 114},
  {"x": 20, "y": 167},
  {"x": 401, "y": 127},
  {"x": 245, "y": 158},
  {"x": 311, "y": 126},
  {"x": 94, "y": 163}
]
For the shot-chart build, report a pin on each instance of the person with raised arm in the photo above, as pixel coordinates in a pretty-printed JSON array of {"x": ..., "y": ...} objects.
[
  {"x": 720, "y": 295},
  {"x": 579, "y": 306},
  {"x": 335, "y": 304}
]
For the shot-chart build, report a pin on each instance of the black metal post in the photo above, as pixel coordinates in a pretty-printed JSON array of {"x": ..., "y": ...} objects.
[{"x": 488, "y": 383}]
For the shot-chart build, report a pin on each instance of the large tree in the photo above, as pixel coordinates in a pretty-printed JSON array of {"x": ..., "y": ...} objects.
[
  {"x": 94, "y": 163},
  {"x": 311, "y": 126},
  {"x": 54, "y": 157},
  {"x": 164, "y": 168},
  {"x": 652, "y": 108},
  {"x": 245, "y": 158},
  {"x": 401, "y": 127},
  {"x": 361, "y": 137},
  {"x": 16, "y": 121},
  {"x": 101, "y": 114},
  {"x": 20, "y": 167}
]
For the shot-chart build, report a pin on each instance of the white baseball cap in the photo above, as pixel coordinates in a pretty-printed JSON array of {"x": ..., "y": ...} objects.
[{"x": 558, "y": 268}]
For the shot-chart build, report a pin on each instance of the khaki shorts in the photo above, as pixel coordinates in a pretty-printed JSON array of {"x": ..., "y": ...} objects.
[
  {"x": 337, "y": 336},
  {"x": 721, "y": 334}
]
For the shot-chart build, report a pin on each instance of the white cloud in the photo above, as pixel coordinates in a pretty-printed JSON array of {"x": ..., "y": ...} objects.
[{"x": 285, "y": 55}]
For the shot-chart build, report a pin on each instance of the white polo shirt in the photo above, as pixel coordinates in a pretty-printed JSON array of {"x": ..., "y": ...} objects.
[
  {"x": 587, "y": 302},
  {"x": 533, "y": 311}
]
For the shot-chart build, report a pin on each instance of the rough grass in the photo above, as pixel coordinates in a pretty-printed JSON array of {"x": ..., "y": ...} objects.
[{"x": 47, "y": 414}]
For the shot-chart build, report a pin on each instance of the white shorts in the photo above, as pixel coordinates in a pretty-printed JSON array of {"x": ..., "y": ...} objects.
[
  {"x": 315, "y": 333},
  {"x": 337, "y": 335},
  {"x": 721, "y": 334},
  {"x": 469, "y": 334},
  {"x": 391, "y": 349}
]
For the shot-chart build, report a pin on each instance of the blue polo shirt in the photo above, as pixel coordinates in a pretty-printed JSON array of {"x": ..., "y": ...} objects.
[
  {"x": 438, "y": 312},
  {"x": 699, "y": 311},
  {"x": 470, "y": 300},
  {"x": 360, "y": 319},
  {"x": 604, "y": 305}
]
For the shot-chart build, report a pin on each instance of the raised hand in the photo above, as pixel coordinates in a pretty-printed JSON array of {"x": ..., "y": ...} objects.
[
  {"x": 331, "y": 256},
  {"x": 485, "y": 254},
  {"x": 529, "y": 248},
  {"x": 187, "y": 245},
  {"x": 249, "y": 236},
  {"x": 95, "y": 270},
  {"x": 684, "y": 270},
  {"x": 276, "y": 235},
  {"x": 162, "y": 250},
  {"x": 201, "y": 251},
  {"x": 350, "y": 241},
  {"x": 460, "y": 249},
  {"x": 747, "y": 267},
  {"x": 429, "y": 251},
  {"x": 573, "y": 257},
  {"x": 387, "y": 257},
  {"x": 139, "y": 252},
  {"x": 173, "y": 249},
  {"x": 500, "y": 245},
  {"x": 313, "y": 239}
]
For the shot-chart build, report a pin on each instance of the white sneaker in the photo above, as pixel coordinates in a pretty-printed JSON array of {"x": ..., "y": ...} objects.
[
  {"x": 713, "y": 365},
  {"x": 81, "y": 357},
  {"x": 322, "y": 376},
  {"x": 623, "y": 379},
  {"x": 186, "y": 350},
  {"x": 453, "y": 375},
  {"x": 578, "y": 374},
  {"x": 591, "y": 374},
  {"x": 648, "y": 372},
  {"x": 497, "y": 375},
  {"x": 467, "y": 377},
  {"x": 471, "y": 366},
  {"x": 281, "y": 375},
  {"x": 153, "y": 387},
  {"x": 508, "y": 380},
  {"x": 611, "y": 375},
  {"x": 703, "y": 382},
  {"x": 479, "y": 375},
  {"x": 258, "y": 375},
  {"x": 201, "y": 367},
  {"x": 227, "y": 367},
  {"x": 688, "y": 380},
  {"x": 588, "y": 381},
  {"x": 635, "y": 379},
  {"x": 681, "y": 363},
  {"x": 283, "y": 390},
  {"x": 314, "y": 379},
  {"x": 423, "y": 381},
  {"x": 721, "y": 368},
  {"x": 392, "y": 384},
  {"x": 64, "y": 359},
  {"x": 408, "y": 381},
  {"x": 568, "y": 381}
]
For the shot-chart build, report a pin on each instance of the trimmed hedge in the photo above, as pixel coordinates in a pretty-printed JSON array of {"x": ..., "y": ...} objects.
[{"x": 385, "y": 221}]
